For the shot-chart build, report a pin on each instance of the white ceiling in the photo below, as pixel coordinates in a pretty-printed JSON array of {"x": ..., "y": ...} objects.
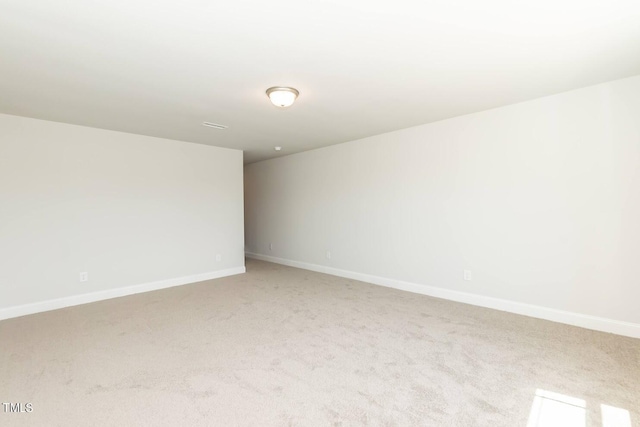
[{"x": 362, "y": 67}]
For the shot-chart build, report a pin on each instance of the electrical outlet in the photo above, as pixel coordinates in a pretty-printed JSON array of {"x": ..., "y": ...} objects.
[
  {"x": 328, "y": 254},
  {"x": 270, "y": 246},
  {"x": 467, "y": 275},
  {"x": 84, "y": 276},
  {"x": 218, "y": 257}
]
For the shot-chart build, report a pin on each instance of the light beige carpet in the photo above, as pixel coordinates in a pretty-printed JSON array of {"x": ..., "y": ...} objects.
[{"x": 279, "y": 346}]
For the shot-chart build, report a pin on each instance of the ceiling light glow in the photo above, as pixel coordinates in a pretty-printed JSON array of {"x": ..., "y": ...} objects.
[{"x": 282, "y": 96}]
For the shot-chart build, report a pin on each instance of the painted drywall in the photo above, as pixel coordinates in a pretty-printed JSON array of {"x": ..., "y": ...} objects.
[
  {"x": 128, "y": 209},
  {"x": 540, "y": 201}
]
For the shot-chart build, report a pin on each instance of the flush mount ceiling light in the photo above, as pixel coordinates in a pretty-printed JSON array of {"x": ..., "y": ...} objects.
[
  {"x": 282, "y": 96},
  {"x": 277, "y": 148}
]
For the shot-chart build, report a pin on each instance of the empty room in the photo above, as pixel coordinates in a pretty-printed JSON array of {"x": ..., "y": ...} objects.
[{"x": 330, "y": 213}]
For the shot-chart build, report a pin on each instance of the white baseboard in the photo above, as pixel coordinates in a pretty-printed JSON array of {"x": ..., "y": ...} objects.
[
  {"x": 576, "y": 319},
  {"x": 54, "y": 304}
]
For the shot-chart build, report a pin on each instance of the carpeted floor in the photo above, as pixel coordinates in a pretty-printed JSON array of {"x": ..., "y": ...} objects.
[{"x": 279, "y": 346}]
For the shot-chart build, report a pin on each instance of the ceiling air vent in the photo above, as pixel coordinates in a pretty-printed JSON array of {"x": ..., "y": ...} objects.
[{"x": 214, "y": 125}]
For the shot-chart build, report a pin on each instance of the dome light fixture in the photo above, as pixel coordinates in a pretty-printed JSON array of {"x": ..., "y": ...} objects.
[{"x": 282, "y": 96}]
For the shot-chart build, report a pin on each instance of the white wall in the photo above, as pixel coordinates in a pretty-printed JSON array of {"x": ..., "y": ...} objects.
[
  {"x": 540, "y": 200},
  {"x": 127, "y": 209}
]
